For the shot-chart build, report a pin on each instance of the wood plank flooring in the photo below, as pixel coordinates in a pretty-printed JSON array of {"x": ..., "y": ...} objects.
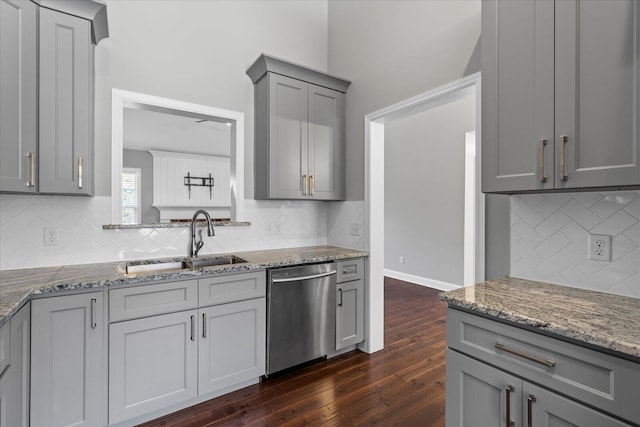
[{"x": 402, "y": 385}]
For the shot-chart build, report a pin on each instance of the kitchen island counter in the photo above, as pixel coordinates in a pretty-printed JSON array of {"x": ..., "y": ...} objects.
[
  {"x": 602, "y": 321},
  {"x": 19, "y": 286}
]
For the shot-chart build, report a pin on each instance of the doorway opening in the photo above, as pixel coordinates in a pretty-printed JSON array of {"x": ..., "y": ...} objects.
[{"x": 473, "y": 223}]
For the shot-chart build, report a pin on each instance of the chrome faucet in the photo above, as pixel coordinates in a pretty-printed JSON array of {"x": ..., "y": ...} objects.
[{"x": 197, "y": 245}]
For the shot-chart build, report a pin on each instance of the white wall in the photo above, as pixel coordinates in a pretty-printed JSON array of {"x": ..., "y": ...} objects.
[
  {"x": 424, "y": 191},
  {"x": 393, "y": 50},
  {"x": 193, "y": 51},
  {"x": 549, "y": 239}
]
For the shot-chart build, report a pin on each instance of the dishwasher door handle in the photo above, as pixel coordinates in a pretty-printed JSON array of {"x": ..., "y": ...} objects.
[{"x": 296, "y": 278}]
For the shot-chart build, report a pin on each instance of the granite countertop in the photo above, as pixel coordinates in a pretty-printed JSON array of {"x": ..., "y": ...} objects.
[
  {"x": 599, "y": 319},
  {"x": 19, "y": 286}
]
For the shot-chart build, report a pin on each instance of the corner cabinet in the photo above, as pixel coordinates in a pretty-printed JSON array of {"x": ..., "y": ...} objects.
[
  {"x": 66, "y": 360},
  {"x": 14, "y": 379},
  {"x": 493, "y": 369},
  {"x": 560, "y": 95},
  {"x": 299, "y": 131},
  {"x": 47, "y": 99}
]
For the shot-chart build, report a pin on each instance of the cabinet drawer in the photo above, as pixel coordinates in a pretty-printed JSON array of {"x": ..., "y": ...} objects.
[
  {"x": 350, "y": 269},
  {"x": 234, "y": 287},
  {"x": 149, "y": 300},
  {"x": 604, "y": 381}
]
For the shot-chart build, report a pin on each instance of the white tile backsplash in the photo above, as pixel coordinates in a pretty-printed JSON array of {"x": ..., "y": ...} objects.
[
  {"x": 82, "y": 239},
  {"x": 549, "y": 239}
]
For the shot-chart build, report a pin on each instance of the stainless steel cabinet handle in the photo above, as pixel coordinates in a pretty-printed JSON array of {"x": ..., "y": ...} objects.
[
  {"x": 312, "y": 185},
  {"x": 80, "y": 172},
  {"x": 304, "y": 185},
  {"x": 204, "y": 325},
  {"x": 563, "y": 175},
  {"x": 543, "y": 177},
  {"x": 548, "y": 362},
  {"x": 94, "y": 323},
  {"x": 313, "y": 276},
  {"x": 530, "y": 401},
  {"x": 32, "y": 174},
  {"x": 193, "y": 328},
  {"x": 509, "y": 389},
  {"x": 340, "y": 303}
]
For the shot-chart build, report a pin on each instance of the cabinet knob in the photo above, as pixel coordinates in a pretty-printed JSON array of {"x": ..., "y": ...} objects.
[
  {"x": 563, "y": 170},
  {"x": 543, "y": 177},
  {"x": 32, "y": 173}
]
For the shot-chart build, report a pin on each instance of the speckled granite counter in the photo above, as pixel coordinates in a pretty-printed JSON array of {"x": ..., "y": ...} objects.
[
  {"x": 602, "y": 320},
  {"x": 19, "y": 286}
]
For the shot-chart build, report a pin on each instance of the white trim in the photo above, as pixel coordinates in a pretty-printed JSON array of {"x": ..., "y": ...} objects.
[
  {"x": 422, "y": 281},
  {"x": 374, "y": 193},
  {"x": 122, "y": 98}
]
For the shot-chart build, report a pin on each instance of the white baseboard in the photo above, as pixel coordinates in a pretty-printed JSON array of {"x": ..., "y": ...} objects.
[{"x": 423, "y": 281}]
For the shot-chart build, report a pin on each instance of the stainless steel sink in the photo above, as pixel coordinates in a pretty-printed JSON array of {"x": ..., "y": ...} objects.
[
  {"x": 196, "y": 263},
  {"x": 186, "y": 264},
  {"x": 151, "y": 267}
]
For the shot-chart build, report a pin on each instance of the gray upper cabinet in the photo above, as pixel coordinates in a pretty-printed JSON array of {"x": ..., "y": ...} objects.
[
  {"x": 560, "y": 95},
  {"x": 299, "y": 131},
  {"x": 18, "y": 103},
  {"x": 46, "y": 110},
  {"x": 66, "y": 104}
]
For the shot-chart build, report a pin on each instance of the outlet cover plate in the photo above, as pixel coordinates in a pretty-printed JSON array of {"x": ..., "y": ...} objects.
[{"x": 600, "y": 247}]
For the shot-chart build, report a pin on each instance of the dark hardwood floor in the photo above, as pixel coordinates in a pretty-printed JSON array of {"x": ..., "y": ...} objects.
[{"x": 402, "y": 385}]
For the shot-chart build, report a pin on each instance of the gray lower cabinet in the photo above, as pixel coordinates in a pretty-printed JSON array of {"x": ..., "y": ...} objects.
[
  {"x": 152, "y": 364},
  {"x": 299, "y": 132},
  {"x": 14, "y": 380},
  {"x": 65, "y": 104},
  {"x": 560, "y": 94},
  {"x": 18, "y": 96},
  {"x": 480, "y": 395},
  {"x": 232, "y": 344},
  {"x": 497, "y": 372},
  {"x": 66, "y": 360},
  {"x": 173, "y": 342},
  {"x": 350, "y": 303}
]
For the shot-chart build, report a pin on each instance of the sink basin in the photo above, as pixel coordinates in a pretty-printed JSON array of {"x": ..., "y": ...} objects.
[
  {"x": 187, "y": 264},
  {"x": 212, "y": 261},
  {"x": 150, "y": 267}
]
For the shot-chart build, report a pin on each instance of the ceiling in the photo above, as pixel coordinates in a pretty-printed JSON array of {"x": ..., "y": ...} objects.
[{"x": 154, "y": 130}]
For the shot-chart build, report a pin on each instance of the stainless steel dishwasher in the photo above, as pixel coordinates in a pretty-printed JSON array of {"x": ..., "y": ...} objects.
[{"x": 301, "y": 315}]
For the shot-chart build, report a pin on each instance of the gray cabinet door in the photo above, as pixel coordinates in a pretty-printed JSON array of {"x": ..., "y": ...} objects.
[
  {"x": 66, "y": 360},
  {"x": 349, "y": 313},
  {"x": 477, "y": 394},
  {"x": 544, "y": 408},
  {"x": 288, "y": 137},
  {"x": 232, "y": 344},
  {"x": 517, "y": 95},
  {"x": 597, "y": 92},
  {"x": 152, "y": 364},
  {"x": 14, "y": 384},
  {"x": 66, "y": 104},
  {"x": 18, "y": 84},
  {"x": 326, "y": 143}
]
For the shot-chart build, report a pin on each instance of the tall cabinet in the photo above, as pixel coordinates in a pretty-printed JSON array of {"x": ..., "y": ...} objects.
[
  {"x": 46, "y": 114},
  {"x": 560, "y": 94},
  {"x": 299, "y": 131}
]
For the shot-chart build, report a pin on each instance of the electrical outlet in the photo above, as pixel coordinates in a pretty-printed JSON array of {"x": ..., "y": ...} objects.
[
  {"x": 401, "y": 260},
  {"x": 355, "y": 228},
  {"x": 600, "y": 247},
  {"x": 277, "y": 228},
  {"x": 51, "y": 236}
]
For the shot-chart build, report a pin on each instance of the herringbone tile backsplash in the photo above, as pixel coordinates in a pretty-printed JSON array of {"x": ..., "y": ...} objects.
[{"x": 549, "y": 239}]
